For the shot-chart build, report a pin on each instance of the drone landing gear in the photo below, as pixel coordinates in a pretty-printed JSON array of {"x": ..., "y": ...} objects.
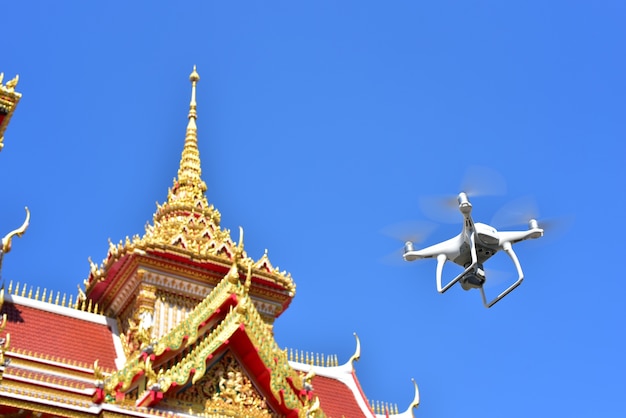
[
  {"x": 473, "y": 277},
  {"x": 470, "y": 269},
  {"x": 520, "y": 277}
]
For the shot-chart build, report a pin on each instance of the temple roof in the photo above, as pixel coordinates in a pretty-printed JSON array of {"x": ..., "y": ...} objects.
[
  {"x": 44, "y": 354},
  {"x": 338, "y": 389},
  {"x": 50, "y": 331}
]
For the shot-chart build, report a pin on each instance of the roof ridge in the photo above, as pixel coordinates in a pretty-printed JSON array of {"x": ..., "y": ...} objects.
[{"x": 69, "y": 311}]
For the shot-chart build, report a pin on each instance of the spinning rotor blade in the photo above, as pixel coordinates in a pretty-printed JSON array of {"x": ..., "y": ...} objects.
[
  {"x": 515, "y": 213},
  {"x": 478, "y": 181},
  {"x": 519, "y": 211},
  {"x": 414, "y": 231},
  {"x": 440, "y": 208},
  {"x": 483, "y": 181}
]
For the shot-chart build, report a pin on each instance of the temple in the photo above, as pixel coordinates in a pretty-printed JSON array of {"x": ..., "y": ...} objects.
[{"x": 177, "y": 322}]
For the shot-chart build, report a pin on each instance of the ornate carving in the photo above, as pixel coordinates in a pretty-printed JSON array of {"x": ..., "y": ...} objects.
[
  {"x": 312, "y": 408},
  {"x": 11, "y": 84},
  {"x": 4, "y": 346},
  {"x": 226, "y": 385},
  {"x": 169, "y": 310},
  {"x": 146, "y": 296},
  {"x": 138, "y": 335},
  {"x": 8, "y": 101}
]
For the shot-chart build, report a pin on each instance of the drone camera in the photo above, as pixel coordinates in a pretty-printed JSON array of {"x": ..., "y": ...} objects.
[{"x": 474, "y": 279}]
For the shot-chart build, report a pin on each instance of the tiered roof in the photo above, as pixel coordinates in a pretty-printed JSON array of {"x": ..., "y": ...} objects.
[{"x": 111, "y": 351}]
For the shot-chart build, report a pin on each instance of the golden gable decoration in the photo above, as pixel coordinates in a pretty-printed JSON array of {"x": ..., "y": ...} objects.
[{"x": 8, "y": 101}]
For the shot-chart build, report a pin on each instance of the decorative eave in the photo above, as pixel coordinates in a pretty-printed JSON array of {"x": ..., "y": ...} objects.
[
  {"x": 186, "y": 332},
  {"x": 8, "y": 101},
  {"x": 242, "y": 325},
  {"x": 225, "y": 319},
  {"x": 44, "y": 384},
  {"x": 105, "y": 282}
]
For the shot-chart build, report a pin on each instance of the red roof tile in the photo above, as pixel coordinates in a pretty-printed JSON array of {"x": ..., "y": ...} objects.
[
  {"x": 59, "y": 336},
  {"x": 336, "y": 399}
]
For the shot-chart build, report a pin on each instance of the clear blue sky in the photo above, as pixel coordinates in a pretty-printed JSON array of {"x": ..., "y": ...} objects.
[{"x": 320, "y": 124}]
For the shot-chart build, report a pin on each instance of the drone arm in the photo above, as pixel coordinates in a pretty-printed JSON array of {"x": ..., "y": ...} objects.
[
  {"x": 513, "y": 237},
  {"x": 508, "y": 248},
  {"x": 450, "y": 248}
]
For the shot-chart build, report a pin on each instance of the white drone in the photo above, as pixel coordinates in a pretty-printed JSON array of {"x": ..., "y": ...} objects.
[{"x": 475, "y": 244}]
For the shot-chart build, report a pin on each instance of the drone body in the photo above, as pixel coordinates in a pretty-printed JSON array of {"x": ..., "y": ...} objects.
[{"x": 476, "y": 243}]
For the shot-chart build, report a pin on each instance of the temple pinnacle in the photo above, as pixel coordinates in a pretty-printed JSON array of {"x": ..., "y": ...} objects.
[
  {"x": 194, "y": 77},
  {"x": 189, "y": 171},
  {"x": 186, "y": 198}
]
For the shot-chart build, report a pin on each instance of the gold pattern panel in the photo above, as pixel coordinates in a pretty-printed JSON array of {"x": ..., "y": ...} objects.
[
  {"x": 226, "y": 386},
  {"x": 170, "y": 310}
]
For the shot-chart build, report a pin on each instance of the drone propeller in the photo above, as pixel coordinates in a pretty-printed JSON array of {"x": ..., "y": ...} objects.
[
  {"x": 521, "y": 211},
  {"x": 483, "y": 181},
  {"x": 478, "y": 181},
  {"x": 515, "y": 213},
  {"x": 414, "y": 231}
]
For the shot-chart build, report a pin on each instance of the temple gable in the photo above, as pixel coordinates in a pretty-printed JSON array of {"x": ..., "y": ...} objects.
[{"x": 226, "y": 387}]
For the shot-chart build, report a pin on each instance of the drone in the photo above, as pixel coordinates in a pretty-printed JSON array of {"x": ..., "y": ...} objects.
[{"x": 476, "y": 243}]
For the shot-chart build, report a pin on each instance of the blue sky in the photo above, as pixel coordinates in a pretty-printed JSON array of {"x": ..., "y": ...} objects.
[{"x": 321, "y": 124}]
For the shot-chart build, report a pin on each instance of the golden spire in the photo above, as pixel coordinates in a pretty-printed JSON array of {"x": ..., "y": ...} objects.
[
  {"x": 186, "y": 216},
  {"x": 187, "y": 194},
  {"x": 190, "y": 171}
]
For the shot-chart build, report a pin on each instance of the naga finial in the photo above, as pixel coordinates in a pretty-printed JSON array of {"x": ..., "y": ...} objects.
[
  {"x": 11, "y": 84},
  {"x": 357, "y": 352},
  {"x": 5, "y": 244},
  {"x": 240, "y": 244},
  {"x": 416, "y": 399}
]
